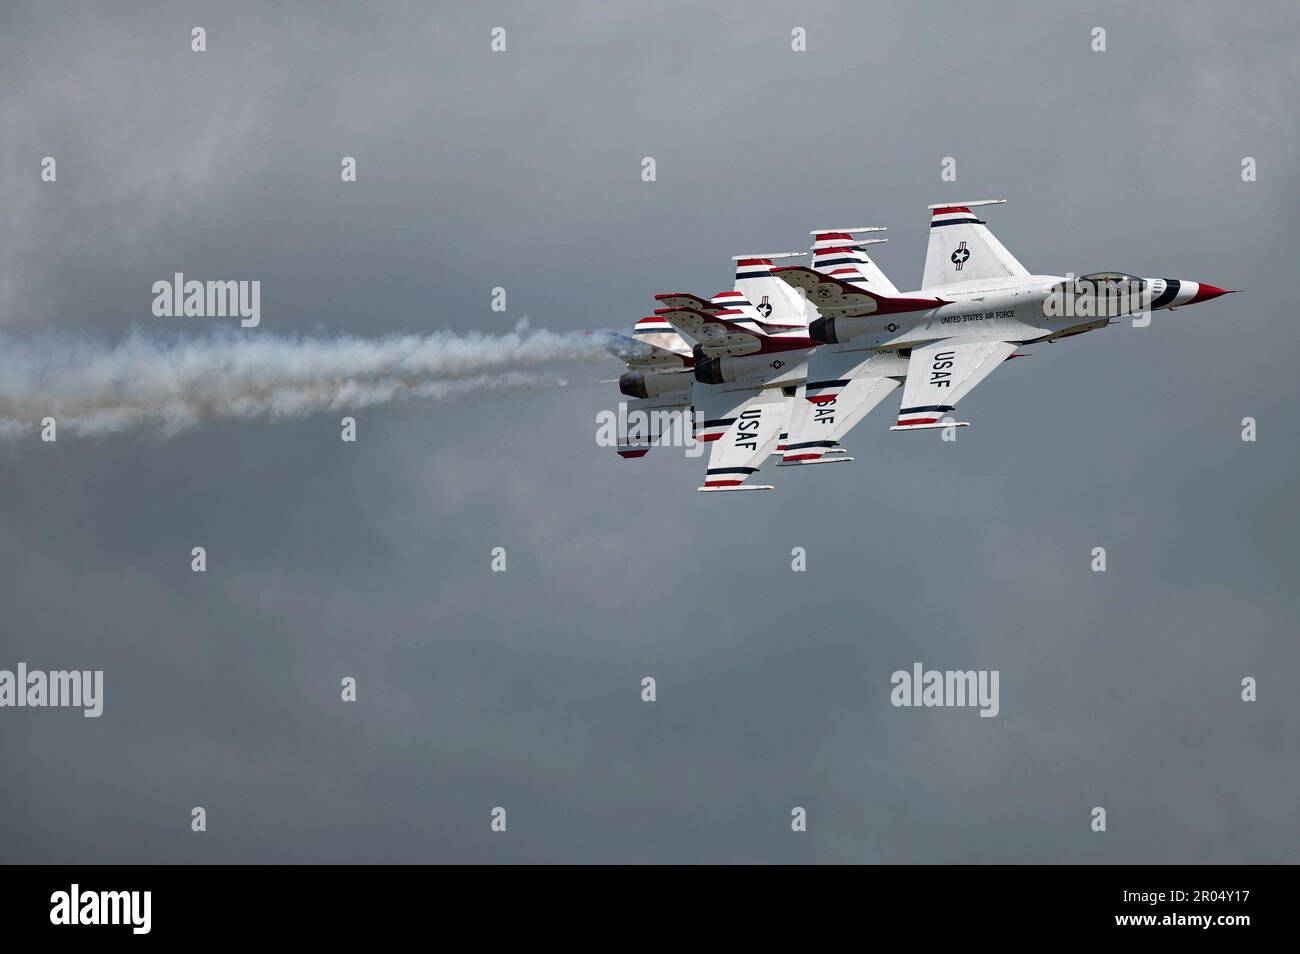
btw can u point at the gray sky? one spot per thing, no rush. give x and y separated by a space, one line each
521 689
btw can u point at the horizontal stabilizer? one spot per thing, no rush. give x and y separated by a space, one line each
831 295
685 300
718 336
725 490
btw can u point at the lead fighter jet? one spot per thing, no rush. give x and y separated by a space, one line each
980 303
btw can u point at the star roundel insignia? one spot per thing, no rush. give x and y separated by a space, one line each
960 255
765 309
778 364
891 327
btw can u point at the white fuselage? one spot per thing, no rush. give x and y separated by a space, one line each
1010 309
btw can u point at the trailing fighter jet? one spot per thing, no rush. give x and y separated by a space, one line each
976 304
749 366
658 380
817 424
752 345
751 363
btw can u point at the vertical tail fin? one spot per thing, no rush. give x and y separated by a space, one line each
738 309
962 249
776 301
836 253
658 333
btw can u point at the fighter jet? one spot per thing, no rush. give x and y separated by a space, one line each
750 364
658 380
976 305
816 425
750 356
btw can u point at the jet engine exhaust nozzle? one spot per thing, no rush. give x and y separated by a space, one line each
632 383
709 371
822 331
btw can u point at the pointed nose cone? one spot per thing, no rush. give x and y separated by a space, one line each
1206 292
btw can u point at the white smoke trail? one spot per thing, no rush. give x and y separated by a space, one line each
170 384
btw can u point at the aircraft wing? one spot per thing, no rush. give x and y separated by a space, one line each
645 422
843 388
941 374
741 428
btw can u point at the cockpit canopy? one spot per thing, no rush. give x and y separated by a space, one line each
1098 294
1113 278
